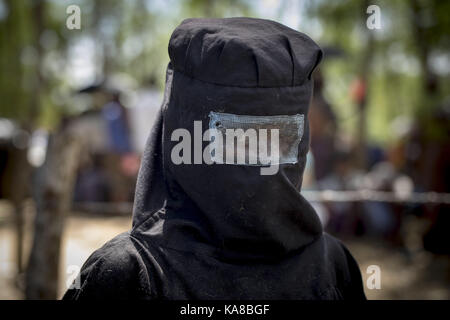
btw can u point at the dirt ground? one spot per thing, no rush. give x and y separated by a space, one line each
404 274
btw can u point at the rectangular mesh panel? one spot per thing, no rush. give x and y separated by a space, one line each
256 140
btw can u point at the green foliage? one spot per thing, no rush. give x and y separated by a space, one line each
130 37
398 70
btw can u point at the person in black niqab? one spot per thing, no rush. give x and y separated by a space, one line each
224 231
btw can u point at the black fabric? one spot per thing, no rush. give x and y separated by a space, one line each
259 53
225 231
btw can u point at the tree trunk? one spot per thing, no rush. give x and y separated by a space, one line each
53 191
364 73
15 186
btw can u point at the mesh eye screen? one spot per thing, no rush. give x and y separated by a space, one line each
255 140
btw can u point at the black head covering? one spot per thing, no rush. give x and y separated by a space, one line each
238 66
226 231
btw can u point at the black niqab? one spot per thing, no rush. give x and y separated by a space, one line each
225 231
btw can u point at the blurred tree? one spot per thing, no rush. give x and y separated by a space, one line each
55 181
412 33
38 59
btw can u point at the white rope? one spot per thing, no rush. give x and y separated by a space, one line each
378 196
125 208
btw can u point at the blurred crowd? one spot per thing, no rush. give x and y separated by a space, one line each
411 164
